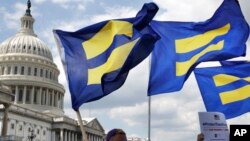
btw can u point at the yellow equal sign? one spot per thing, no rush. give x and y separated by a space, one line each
101 41
233 95
195 42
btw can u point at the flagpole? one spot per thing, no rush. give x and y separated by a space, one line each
149 104
149 118
81 124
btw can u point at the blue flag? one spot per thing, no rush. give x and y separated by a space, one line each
225 89
183 45
97 58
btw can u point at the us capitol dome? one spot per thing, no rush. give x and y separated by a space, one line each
26 65
30 76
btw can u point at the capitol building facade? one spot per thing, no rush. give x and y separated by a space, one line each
36 111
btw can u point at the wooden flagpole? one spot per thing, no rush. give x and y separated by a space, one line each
149 105
149 118
81 125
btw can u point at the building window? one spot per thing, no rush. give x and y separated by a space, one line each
43 97
9 69
35 95
44 132
22 70
38 131
27 96
12 126
35 72
50 96
50 75
41 73
20 128
3 70
55 100
46 74
20 95
13 92
15 71
29 71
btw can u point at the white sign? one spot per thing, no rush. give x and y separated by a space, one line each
214 126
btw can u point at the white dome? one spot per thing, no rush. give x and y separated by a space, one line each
27 67
25 41
25 44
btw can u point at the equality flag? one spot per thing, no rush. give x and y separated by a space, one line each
225 89
183 45
97 58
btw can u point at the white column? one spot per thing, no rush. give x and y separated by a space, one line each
53 136
12 70
16 94
61 135
5 120
69 136
24 94
73 136
32 95
5 70
76 137
19 69
66 135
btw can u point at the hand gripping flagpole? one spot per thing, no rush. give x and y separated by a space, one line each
81 125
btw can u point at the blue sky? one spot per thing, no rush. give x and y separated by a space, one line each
174 115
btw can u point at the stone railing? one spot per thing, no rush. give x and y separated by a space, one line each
31 113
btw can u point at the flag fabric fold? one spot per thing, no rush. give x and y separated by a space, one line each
183 45
97 58
225 89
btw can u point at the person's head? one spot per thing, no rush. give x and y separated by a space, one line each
116 135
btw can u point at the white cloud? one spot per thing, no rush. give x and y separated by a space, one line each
81 7
245 9
66 4
187 10
130 114
12 20
39 1
115 12
2 9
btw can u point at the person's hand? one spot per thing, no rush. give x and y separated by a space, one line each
200 137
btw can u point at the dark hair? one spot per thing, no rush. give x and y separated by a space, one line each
113 132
